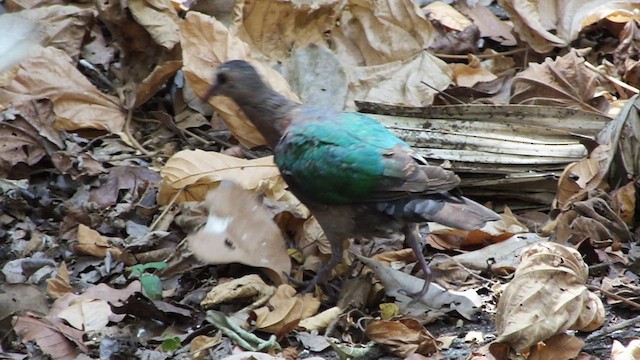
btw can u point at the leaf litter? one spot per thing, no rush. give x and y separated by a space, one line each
131 210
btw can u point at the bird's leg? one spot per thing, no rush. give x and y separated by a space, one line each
325 270
412 236
337 248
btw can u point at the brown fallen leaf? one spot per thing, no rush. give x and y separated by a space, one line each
27 135
196 172
629 352
402 337
60 342
545 27
624 202
558 347
87 314
159 18
241 230
249 286
284 307
133 179
90 242
60 285
49 73
546 297
320 321
565 82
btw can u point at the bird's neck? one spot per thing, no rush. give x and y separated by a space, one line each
270 113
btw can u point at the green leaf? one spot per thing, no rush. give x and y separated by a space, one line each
152 286
138 270
171 344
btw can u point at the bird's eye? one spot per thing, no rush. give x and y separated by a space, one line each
222 78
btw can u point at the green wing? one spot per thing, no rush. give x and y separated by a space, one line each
341 158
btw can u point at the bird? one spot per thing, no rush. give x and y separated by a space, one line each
356 177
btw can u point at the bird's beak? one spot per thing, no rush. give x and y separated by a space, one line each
213 91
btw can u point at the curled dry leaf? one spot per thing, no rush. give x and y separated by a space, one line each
400 82
275 28
28 134
196 172
285 307
49 73
563 82
59 285
402 337
546 297
548 24
90 242
159 18
321 320
87 314
241 230
630 352
377 32
58 341
206 43
558 347
503 257
250 286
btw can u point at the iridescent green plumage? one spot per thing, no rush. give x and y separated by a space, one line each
338 158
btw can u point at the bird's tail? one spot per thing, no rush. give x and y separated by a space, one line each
453 211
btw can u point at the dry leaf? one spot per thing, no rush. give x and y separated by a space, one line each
196 172
16 297
276 28
555 23
447 15
53 340
241 230
59 285
563 82
61 26
250 286
630 352
27 134
546 297
400 82
50 74
624 202
469 76
558 347
90 242
283 308
159 18
402 337
321 320
87 314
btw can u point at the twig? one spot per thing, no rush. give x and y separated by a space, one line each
127 128
87 65
166 209
615 296
613 328
612 79
481 56
449 96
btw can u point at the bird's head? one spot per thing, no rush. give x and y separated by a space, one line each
236 79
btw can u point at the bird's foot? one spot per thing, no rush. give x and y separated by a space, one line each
417 296
412 234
